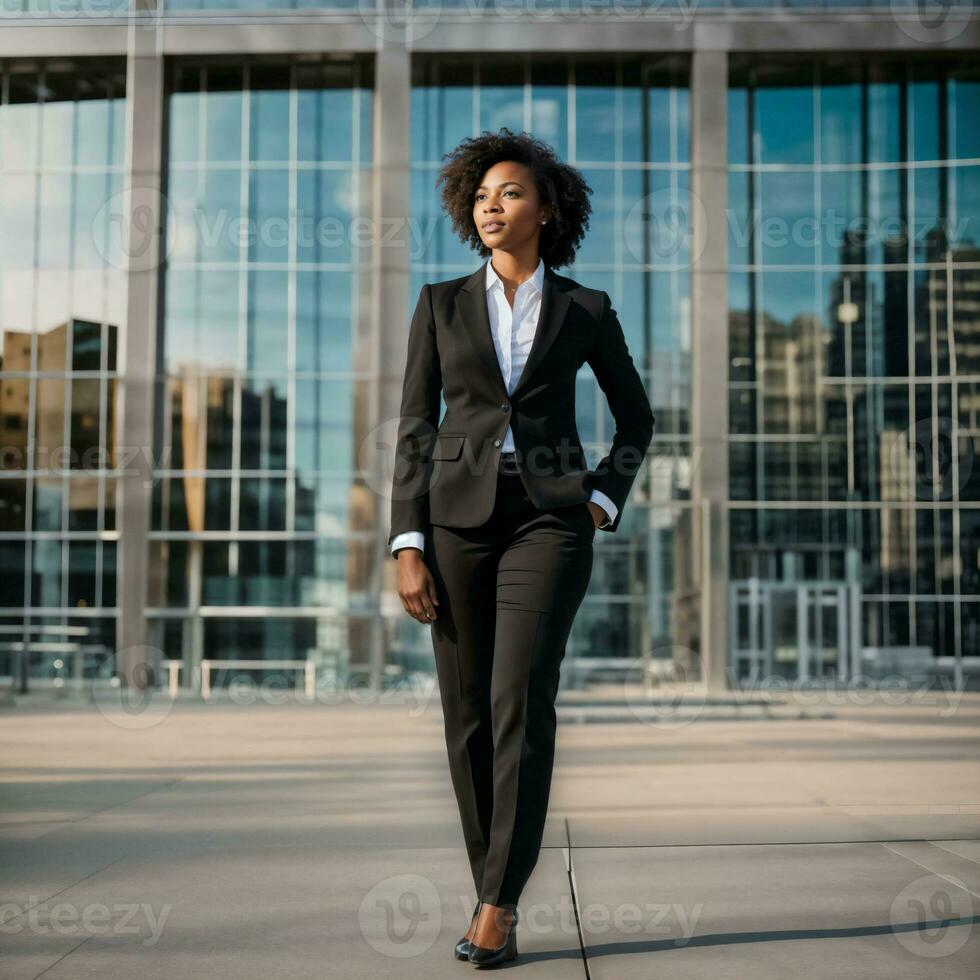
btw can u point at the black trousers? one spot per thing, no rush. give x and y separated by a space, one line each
508 593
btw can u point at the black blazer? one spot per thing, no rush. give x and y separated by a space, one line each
446 472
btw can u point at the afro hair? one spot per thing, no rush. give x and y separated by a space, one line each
561 187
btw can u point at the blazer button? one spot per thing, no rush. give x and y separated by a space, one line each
496 442
505 406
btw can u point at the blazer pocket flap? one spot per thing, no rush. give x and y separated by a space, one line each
448 445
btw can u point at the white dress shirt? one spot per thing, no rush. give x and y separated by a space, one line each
513 332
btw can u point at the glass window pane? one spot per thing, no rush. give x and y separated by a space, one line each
83 504
20 122
324 216
223 112
268 212
13 504
788 228
963 222
218 217
442 102
269 106
325 109
964 110
264 416
81 573
502 95
85 403
549 105
323 425
46 574
184 125
323 321
48 500
58 119
596 115
263 504
12 581
268 321
884 120
839 95
201 326
784 115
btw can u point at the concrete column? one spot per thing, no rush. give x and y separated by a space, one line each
391 268
142 221
709 397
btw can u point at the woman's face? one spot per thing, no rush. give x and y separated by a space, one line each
507 209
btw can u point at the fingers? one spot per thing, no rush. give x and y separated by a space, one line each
413 606
429 598
421 601
416 611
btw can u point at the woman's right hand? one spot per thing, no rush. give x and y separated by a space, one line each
416 586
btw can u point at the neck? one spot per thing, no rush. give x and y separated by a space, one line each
514 268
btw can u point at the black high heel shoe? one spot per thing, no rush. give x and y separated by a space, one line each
462 949
491 955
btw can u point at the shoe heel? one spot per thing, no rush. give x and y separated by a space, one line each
511 953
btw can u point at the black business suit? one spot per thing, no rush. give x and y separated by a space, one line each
510 555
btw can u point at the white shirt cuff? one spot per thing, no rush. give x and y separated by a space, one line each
607 505
408 539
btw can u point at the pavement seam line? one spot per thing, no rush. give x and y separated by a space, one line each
61 959
61 824
777 843
573 888
962 857
949 879
48 898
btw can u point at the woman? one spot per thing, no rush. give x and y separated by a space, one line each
494 510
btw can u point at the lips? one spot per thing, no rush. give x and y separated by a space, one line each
492 226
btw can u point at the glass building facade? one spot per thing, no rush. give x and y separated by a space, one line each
257 537
62 308
854 335
814 514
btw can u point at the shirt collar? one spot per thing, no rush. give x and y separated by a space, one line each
536 280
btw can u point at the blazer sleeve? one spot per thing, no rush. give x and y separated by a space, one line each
418 423
623 387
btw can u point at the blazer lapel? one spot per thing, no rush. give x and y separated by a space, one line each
554 306
471 306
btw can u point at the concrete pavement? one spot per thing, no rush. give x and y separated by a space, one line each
322 840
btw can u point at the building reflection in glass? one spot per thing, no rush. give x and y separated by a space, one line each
854 331
62 305
262 527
